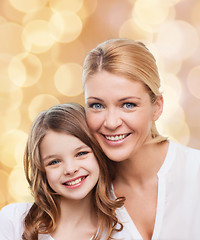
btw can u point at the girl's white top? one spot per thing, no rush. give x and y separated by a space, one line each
12 218
178 204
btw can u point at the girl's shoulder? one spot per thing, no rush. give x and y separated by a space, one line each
15 209
11 220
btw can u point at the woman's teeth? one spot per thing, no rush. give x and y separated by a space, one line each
117 137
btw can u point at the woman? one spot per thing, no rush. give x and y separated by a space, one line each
69 181
159 178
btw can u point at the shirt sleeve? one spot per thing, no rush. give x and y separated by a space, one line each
11 220
6 224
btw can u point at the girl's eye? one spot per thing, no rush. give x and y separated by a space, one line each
129 105
81 153
54 162
96 106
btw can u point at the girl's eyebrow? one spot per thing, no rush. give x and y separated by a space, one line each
49 157
56 155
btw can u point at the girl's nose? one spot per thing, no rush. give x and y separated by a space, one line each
70 167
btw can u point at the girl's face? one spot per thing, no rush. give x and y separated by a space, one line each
120 114
71 168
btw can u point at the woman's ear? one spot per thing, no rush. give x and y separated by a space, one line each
158 107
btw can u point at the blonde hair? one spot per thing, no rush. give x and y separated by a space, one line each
129 59
44 213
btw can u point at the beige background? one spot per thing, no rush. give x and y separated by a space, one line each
42 47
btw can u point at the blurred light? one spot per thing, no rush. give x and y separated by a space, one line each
43 14
10 101
149 12
10 32
8 143
18 186
3 187
27 6
37 37
20 148
65 26
177 40
59 5
63 53
25 70
5 82
68 79
193 81
41 103
172 121
10 120
170 2
87 8
171 87
2 20
130 29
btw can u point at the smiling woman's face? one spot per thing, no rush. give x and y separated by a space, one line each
119 113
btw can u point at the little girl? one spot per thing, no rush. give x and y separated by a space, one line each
68 177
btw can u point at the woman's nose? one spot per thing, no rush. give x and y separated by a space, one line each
112 120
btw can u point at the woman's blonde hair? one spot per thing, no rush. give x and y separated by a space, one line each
44 213
129 59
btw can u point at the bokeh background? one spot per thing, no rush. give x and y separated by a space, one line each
42 48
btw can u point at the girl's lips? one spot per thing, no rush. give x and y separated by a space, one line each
76 182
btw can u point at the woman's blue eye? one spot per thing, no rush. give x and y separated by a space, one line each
129 105
96 105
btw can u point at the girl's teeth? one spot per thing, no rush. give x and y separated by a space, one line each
116 138
75 181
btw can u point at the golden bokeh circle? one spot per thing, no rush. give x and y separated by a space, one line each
36 36
59 5
193 81
27 6
40 103
68 79
25 70
65 26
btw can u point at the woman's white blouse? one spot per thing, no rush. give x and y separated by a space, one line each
178 204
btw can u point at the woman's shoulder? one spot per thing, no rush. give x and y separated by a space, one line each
185 151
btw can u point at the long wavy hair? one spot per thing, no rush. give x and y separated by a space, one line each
129 59
43 215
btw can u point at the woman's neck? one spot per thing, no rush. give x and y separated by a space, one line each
143 166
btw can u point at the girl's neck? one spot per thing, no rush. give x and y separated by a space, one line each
78 210
144 165
78 219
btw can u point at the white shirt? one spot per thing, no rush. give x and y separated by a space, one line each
178 204
12 218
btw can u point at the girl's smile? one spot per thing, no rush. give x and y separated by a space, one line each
71 168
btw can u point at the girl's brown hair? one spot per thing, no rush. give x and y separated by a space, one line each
45 211
129 59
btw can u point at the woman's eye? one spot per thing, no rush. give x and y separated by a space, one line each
129 105
54 162
96 105
81 153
